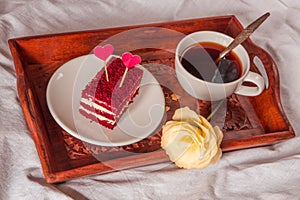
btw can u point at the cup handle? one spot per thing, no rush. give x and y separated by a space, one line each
251 91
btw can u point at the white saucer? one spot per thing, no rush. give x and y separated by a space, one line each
142 118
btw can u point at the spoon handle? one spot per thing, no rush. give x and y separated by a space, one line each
243 35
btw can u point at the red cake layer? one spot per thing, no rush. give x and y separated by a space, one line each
93 118
103 113
99 112
108 94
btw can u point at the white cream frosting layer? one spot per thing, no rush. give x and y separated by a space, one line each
90 103
100 117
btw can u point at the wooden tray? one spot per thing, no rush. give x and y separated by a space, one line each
250 121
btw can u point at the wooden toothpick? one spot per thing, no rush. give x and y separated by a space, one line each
123 77
105 68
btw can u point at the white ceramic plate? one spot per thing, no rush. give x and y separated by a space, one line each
141 119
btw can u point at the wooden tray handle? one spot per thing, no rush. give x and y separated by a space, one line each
25 96
271 96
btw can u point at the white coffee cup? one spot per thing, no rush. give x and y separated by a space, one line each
210 91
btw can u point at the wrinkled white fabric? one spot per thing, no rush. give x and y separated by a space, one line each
271 172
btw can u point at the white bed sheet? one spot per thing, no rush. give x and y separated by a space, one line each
271 172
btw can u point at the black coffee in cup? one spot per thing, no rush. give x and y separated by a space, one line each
199 60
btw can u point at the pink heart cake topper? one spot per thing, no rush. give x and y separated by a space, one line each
130 60
103 52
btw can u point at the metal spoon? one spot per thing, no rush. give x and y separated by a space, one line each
243 35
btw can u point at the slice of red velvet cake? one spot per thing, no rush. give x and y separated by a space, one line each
104 101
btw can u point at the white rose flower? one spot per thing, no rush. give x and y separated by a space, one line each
190 141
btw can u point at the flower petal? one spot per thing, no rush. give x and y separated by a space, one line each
186 114
190 141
